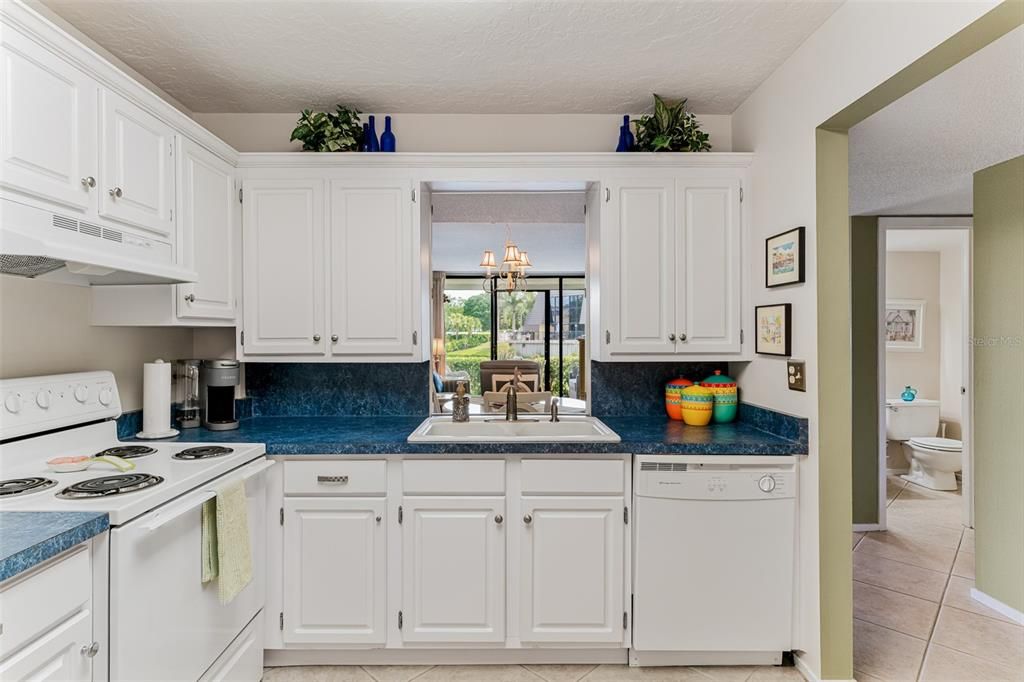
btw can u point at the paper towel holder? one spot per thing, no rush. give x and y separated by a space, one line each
217 382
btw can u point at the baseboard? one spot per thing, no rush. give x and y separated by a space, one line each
804 669
996 605
409 656
866 527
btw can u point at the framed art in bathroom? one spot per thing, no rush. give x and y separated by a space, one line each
784 258
773 324
904 325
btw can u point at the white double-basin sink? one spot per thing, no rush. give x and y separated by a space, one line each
494 429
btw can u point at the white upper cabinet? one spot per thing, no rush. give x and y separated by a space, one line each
206 228
638 238
671 266
283 274
47 125
708 259
137 169
571 569
335 570
371 269
453 569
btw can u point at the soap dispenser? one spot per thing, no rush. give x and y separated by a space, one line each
460 404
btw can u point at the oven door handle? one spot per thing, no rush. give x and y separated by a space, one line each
173 512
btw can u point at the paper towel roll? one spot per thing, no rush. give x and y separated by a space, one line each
156 400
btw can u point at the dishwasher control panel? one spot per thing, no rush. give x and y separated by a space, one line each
714 482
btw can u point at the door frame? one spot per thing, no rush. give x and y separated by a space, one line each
965 226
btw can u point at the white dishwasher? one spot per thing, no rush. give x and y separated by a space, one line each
714 560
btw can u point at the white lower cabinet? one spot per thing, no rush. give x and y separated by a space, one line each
453 569
57 655
335 570
571 567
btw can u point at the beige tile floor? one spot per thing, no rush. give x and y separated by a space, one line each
527 673
914 618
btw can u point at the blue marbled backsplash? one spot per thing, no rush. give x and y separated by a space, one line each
637 389
776 423
338 389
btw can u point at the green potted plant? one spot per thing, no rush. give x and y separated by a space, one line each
670 129
321 131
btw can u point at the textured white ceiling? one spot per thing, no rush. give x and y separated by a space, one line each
918 155
448 56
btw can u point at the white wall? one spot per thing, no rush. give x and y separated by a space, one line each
458 132
855 50
952 336
44 329
915 275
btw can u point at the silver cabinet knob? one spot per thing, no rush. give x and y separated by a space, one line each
498 519
334 338
672 337
682 337
528 519
316 338
115 192
90 650
88 181
378 519
191 298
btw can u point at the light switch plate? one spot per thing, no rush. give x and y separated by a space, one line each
796 375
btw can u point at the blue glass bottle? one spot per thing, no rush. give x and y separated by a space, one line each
623 145
630 139
364 144
387 138
373 143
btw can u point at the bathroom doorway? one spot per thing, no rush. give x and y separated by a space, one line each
924 358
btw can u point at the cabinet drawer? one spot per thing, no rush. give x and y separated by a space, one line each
320 477
453 477
44 599
569 476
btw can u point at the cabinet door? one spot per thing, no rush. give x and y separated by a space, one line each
283 267
637 245
335 570
708 258
136 180
47 124
371 269
206 210
453 569
56 655
571 569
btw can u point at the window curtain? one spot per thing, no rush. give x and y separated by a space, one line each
437 317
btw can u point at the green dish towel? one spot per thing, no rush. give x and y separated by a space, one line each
226 551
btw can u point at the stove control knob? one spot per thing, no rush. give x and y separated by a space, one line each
81 393
12 403
43 400
106 395
766 483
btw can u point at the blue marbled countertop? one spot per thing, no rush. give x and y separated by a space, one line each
387 435
30 538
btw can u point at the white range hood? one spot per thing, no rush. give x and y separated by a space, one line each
59 247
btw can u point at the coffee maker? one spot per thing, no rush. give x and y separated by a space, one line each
217 382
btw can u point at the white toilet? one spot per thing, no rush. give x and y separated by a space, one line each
933 461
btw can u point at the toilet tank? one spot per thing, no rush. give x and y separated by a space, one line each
906 420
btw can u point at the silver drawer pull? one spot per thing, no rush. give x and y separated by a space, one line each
332 479
90 650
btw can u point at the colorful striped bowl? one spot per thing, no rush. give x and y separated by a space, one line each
674 397
698 405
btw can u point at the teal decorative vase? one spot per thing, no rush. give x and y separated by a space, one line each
726 398
909 393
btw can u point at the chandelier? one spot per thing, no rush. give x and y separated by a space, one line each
511 274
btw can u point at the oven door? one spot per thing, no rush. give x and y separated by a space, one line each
164 623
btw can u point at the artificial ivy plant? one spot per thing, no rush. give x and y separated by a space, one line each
670 129
321 131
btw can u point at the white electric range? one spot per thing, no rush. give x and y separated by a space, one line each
164 624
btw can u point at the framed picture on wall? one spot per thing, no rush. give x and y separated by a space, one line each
904 325
784 258
773 324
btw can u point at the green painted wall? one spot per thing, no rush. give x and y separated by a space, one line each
864 316
834 404
998 299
